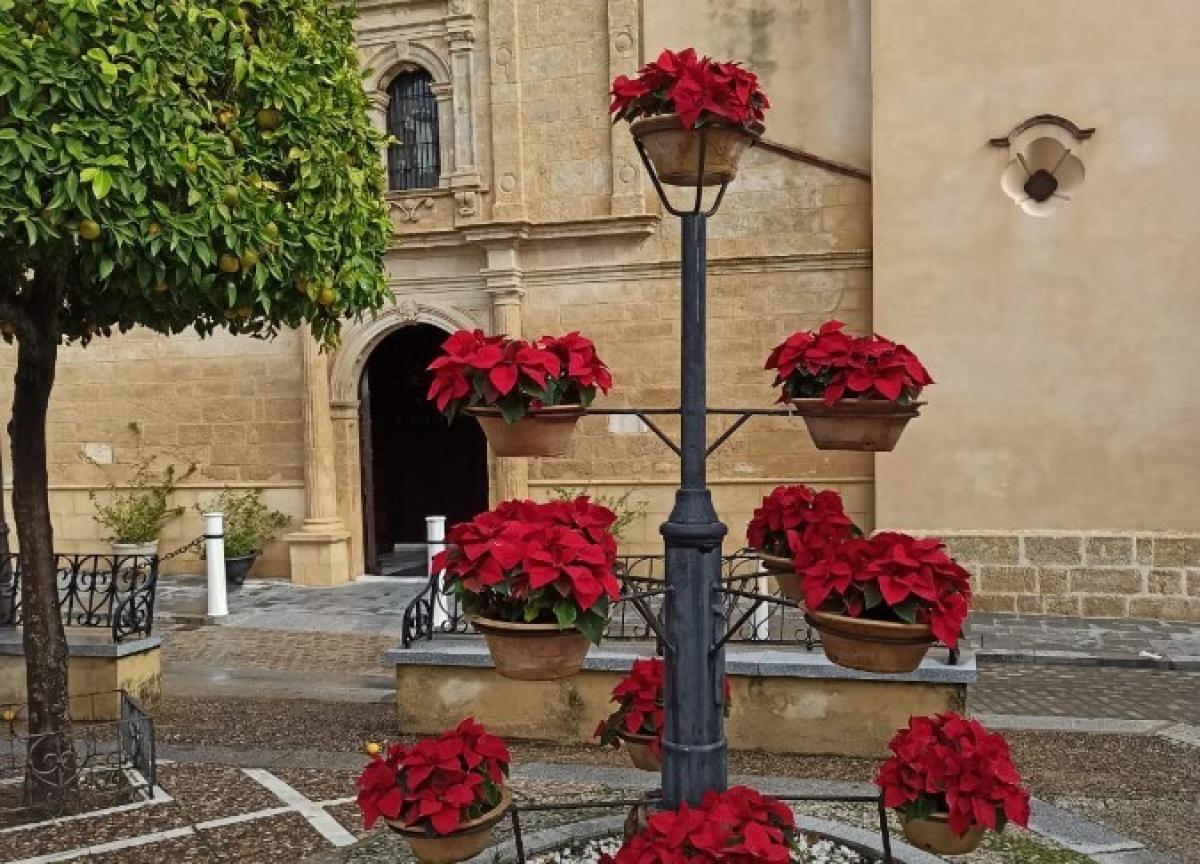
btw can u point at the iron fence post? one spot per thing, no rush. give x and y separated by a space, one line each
694 748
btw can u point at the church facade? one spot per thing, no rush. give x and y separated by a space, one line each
893 190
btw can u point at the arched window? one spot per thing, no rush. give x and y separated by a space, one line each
413 158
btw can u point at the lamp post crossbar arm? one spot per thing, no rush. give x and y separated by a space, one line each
639 603
742 415
662 436
737 625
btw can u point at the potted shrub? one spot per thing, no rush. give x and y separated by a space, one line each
536 579
879 603
737 826
135 516
950 779
793 528
527 396
443 795
638 720
854 392
248 524
682 99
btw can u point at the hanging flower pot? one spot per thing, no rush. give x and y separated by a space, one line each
793 527
533 652
871 646
868 598
466 841
541 432
933 834
950 780
643 752
676 152
868 425
854 393
682 104
536 579
527 396
444 795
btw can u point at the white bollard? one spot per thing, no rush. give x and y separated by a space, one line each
214 558
435 542
761 617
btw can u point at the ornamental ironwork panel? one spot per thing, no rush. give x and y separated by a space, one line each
414 160
115 592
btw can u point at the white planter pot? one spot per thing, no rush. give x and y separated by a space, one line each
122 550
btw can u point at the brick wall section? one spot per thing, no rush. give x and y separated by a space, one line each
1088 574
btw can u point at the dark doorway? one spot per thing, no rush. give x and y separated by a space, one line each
415 464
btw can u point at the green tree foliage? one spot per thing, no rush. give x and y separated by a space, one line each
204 164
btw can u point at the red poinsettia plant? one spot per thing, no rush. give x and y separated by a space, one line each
639 698
800 523
831 364
699 89
950 765
738 826
515 376
536 562
892 577
437 783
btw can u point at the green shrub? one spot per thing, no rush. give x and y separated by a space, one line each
248 521
137 515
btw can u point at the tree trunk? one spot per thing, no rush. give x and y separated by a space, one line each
51 751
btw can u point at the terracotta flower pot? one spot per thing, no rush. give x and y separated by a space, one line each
533 652
871 425
871 646
933 834
467 841
640 752
675 152
541 432
785 575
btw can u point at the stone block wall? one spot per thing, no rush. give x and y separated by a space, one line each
1090 574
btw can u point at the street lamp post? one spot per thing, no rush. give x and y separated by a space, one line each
694 750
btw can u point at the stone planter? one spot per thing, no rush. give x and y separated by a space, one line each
675 152
933 834
541 432
144 550
640 751
871 646
868 425
471 838
783 571
236 569
533 652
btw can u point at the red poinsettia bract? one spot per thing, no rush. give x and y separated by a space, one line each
530 561
698 89
891 576
948 764
830 364
800 523
437 783
639 698
514 375
738 826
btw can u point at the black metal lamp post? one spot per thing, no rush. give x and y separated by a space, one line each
694 753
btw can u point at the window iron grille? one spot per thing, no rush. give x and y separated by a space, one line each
414 160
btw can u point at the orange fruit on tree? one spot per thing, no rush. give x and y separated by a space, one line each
268 119
230 196
249 259
229 263
88 229
327 296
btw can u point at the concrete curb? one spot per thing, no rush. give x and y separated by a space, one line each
989 657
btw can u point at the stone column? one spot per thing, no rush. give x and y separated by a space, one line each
320 550
510 477
443 92
507 157
628 196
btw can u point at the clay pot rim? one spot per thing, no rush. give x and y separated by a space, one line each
664 122
815 407
645 739
471 826
520 628
549 412
776 561
869 629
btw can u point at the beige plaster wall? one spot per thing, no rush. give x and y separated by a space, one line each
1063 347
813 56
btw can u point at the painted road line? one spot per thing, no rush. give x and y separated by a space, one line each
326 825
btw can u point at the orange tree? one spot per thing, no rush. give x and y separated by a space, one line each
176 165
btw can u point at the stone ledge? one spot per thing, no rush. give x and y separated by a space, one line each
757 662
86 644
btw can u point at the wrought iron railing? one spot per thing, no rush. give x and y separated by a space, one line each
93 765
433 613
102 591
